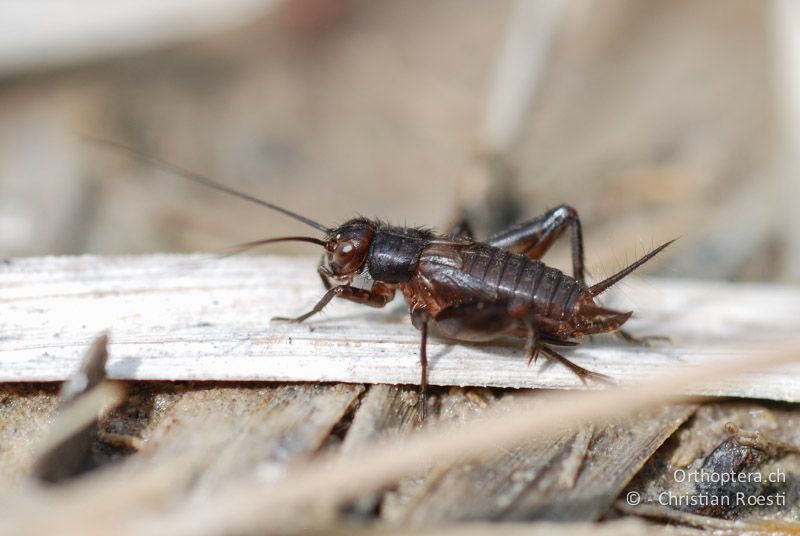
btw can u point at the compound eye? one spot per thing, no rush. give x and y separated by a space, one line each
344 253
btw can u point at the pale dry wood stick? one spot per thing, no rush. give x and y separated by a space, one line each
183 317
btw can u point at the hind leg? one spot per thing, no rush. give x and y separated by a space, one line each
582 373
535 236
324 274
647 340
612 322
534 345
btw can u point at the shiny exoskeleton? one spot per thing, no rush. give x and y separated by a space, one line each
468 290
475 291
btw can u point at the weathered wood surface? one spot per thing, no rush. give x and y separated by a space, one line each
572 477
176 317
212 436
152 494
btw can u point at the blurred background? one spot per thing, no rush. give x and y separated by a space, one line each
653 119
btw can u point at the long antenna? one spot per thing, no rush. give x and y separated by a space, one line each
205 181
241 248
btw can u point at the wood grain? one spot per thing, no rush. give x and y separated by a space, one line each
174 317
574 476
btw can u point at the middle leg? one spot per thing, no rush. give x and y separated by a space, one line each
532 343
421 320
423 362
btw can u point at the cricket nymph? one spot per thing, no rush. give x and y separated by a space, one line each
475 291
469 290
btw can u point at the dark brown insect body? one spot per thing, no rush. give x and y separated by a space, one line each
475 291
468 290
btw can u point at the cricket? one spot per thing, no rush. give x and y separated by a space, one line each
466 289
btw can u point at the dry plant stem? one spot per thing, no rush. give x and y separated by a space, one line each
785 25
663 513
522 61
631 526
121 440
331 481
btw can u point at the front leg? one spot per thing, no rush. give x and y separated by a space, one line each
378 296
324 274
535 236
